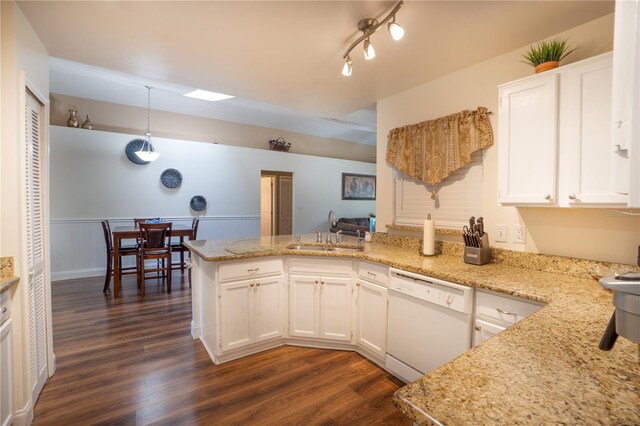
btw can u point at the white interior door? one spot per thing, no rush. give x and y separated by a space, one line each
266 206
35 244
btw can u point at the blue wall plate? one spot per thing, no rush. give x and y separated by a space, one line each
132 147
198 203
171 178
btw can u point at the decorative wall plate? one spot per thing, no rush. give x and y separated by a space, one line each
171 178
132 147
198 203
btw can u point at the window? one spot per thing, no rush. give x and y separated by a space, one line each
459 197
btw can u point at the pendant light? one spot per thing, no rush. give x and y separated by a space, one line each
147 153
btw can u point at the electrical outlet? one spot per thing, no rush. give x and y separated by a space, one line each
519 234
501 233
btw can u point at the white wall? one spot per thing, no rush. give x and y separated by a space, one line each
23 55
91 179
589 233
117 118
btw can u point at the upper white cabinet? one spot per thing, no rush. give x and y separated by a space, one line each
528 140
555 138
625 119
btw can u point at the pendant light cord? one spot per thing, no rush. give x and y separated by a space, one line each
148 108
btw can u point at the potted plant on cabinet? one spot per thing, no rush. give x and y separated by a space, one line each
547 55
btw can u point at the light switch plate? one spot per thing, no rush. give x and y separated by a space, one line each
519 234
501 233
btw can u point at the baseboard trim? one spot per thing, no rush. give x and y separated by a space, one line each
23 417
77 273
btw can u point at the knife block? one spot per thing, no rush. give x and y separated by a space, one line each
478 255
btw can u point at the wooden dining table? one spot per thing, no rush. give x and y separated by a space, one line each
132 232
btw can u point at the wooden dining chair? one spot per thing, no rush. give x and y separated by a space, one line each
123 251
155 244
179 248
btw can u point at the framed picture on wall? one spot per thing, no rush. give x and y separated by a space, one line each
358 187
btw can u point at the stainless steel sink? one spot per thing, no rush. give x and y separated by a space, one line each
335 249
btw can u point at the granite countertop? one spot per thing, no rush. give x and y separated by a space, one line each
7 282
545 369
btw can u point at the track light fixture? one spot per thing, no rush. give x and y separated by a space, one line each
369 26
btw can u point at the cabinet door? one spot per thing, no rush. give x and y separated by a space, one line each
335 309
236 314
304 313
528 141
6 373
483 331
267 309
585 135
372 317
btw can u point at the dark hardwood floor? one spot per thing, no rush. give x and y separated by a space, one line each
133 361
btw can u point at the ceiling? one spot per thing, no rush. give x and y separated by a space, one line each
282 59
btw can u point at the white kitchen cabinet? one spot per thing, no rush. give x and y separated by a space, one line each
320 307
371 328
528 140
484 330
304 306
585 135
6 373
625 111
495 313
554 138
250 312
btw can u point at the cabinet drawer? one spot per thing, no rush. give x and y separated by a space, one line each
326 267
250 269
504 309
5 306
373 273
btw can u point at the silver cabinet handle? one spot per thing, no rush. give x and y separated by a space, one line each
547 197
253 270
4 309
477 328
506 312
572 196
372 274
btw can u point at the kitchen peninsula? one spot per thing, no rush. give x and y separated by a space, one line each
546 368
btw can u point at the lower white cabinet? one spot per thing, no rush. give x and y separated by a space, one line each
320 307
495 313
483 331
6 373
371 331
250 312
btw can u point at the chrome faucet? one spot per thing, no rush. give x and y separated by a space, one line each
339 236
332 220
318 236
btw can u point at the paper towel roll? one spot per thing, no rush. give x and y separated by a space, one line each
429 238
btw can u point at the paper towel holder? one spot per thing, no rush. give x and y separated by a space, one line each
424 238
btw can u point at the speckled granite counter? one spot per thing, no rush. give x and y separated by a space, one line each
545 369
7 279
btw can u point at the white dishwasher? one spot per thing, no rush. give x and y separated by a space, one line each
429 323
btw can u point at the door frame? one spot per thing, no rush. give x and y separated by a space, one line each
276 198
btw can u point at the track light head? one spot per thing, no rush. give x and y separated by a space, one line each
396 31
369 51
348 67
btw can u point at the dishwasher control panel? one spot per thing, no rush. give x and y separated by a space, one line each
433 290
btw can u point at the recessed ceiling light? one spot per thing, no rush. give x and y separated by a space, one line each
207 95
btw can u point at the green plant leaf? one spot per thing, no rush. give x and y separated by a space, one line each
545 51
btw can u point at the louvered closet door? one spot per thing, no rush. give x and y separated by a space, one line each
35 243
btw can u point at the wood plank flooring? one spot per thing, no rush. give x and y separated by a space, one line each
133 362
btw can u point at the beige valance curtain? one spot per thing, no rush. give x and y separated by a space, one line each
433 150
